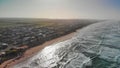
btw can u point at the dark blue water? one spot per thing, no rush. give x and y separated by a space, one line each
95 46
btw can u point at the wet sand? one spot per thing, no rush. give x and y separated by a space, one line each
32 51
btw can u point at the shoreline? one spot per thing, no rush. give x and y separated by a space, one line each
32 51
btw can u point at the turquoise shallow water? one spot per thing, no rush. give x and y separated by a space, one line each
95 46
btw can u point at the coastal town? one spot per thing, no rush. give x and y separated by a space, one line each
15 40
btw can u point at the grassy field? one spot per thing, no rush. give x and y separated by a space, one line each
7 24
40 22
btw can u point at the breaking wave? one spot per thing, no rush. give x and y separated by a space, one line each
95 46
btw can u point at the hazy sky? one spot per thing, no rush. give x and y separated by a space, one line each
95 9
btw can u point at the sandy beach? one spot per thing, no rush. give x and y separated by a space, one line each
30 52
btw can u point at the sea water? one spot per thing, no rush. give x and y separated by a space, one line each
94 46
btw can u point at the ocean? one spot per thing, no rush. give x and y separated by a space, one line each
94 46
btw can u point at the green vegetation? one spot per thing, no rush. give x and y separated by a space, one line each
2 24
9 54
